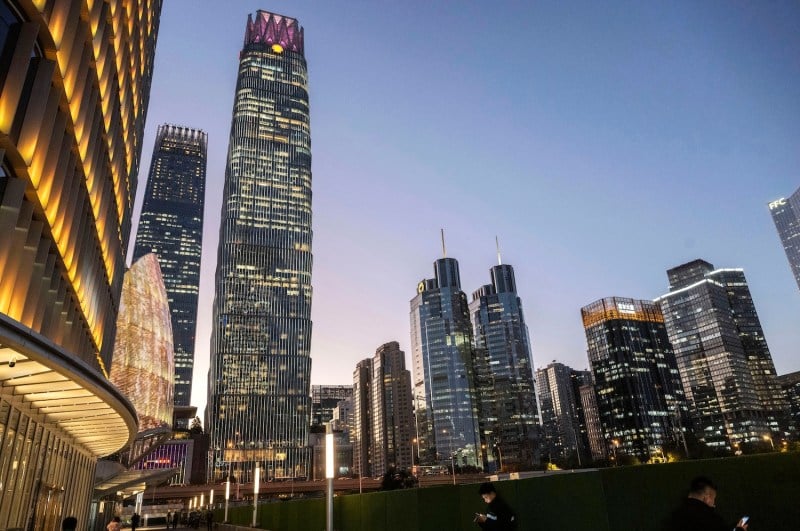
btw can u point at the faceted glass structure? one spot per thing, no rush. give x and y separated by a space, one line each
171 226
444 374
786 215
726 368
509 416
258 403
636 381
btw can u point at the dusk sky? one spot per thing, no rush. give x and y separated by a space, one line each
602 143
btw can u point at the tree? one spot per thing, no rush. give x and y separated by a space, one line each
196 427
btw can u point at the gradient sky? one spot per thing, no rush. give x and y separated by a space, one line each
602 143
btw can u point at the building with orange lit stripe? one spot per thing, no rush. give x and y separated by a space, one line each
640 401
74 86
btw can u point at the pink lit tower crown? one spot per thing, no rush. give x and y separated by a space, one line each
271 29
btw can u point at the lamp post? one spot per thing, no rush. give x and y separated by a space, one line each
769 438
500 455
227 494
211 499
329 470
256 485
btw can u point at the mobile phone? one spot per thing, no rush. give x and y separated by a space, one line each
745 519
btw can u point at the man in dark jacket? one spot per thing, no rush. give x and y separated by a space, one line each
499 516
697 513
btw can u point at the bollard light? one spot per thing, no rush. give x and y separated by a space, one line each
211 498
329 467
227 496
256 483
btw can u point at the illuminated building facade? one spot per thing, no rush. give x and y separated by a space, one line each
726 368
324 399
74 89
637 386
259 405
509 415
143 366
790 383
171 226
786 215
360 429
591 416
563 427
444 373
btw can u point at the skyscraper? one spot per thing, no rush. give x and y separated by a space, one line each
74 90
392 417
637 386
508 413
564 432
786 215
441 341
361 428
725 365
171 226
259 405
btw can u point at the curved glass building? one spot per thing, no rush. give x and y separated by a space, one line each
258 404
74 90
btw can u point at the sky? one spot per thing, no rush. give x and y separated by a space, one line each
601 143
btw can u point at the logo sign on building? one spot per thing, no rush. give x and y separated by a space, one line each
777 203
624 307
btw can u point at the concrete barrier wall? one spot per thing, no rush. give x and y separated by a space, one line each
638 498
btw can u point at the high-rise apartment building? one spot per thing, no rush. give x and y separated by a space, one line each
790 383
74 90
637 385
786 215
591 415
171 226
324 399
508 413
563 428
259 405
444 374
726 368
392 416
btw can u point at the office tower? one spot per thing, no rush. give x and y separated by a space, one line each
790 383
143 366
724 361
74 88
259 403
509 416
564 432
361 428
591 415
343 415
171 226
444 376
636 380
324 399
786 215
392 416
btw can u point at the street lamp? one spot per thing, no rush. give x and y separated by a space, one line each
500 455
329 470
227 492
256 485
769 438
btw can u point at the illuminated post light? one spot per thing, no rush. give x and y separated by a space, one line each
202 500
329 466
211 498
227 495
256 484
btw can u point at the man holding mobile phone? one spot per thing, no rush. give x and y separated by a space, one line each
499 516
697 512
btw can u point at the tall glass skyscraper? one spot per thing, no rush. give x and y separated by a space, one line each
564 432
726 368
509 416
259 404
171 226
637 384
786 215
444 375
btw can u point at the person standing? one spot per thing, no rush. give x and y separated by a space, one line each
70 523
498 516
697 512
175 519
169 519
114 524
210 520
135 521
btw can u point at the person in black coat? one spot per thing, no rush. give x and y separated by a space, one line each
498 516
697 512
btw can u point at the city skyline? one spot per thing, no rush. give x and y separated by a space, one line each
586 136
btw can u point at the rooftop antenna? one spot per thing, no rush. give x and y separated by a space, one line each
497 244
444 249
